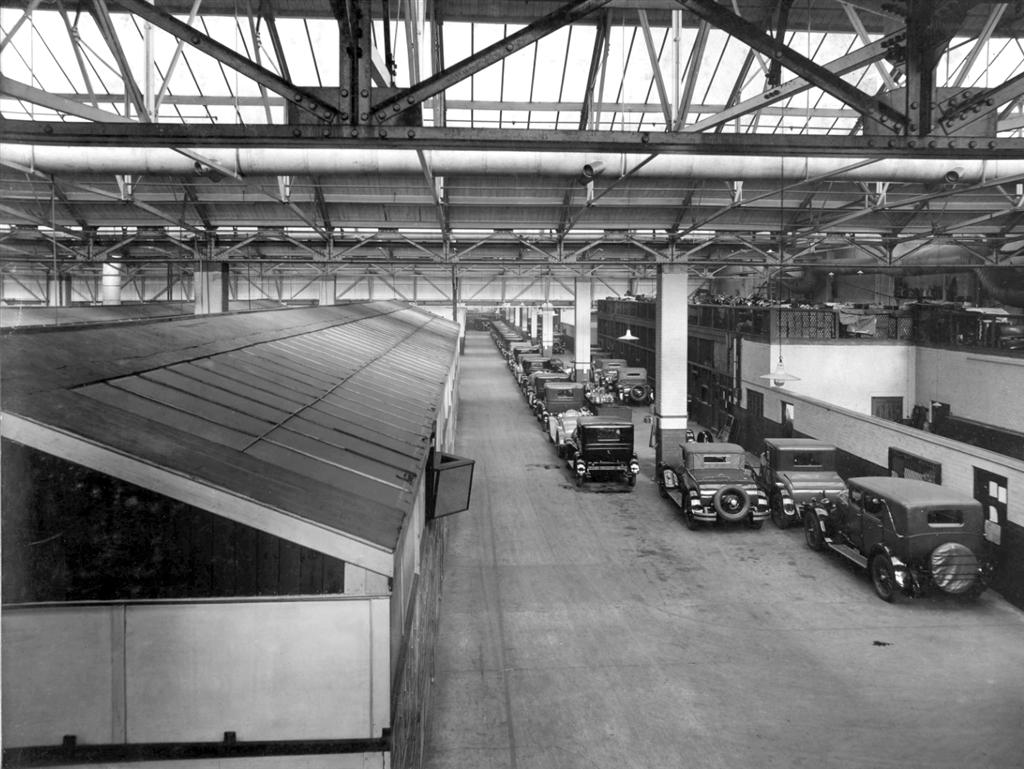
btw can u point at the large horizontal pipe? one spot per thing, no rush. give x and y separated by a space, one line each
285 162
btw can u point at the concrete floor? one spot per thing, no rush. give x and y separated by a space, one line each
589 628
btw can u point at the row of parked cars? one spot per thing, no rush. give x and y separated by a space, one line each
912 536
595 441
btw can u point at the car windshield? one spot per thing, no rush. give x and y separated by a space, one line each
718 461
609 434
808 460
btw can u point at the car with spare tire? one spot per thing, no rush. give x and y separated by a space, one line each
913 537
713 482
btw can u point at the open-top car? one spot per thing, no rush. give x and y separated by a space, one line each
711 482
912 536
794 471
602 447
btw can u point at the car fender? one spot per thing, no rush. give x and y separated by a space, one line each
902 573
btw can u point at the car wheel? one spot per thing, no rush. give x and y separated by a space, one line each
579 480
631 479
638 393
883 577
732 503
775 505
812 531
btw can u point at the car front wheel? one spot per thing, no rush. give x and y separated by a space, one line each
778 514
883 577
812 531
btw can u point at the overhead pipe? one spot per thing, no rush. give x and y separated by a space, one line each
310 161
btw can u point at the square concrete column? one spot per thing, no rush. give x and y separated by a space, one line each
547 330
111 284
584 289
531 313
460 318
671 360
210 285
327 290
58 290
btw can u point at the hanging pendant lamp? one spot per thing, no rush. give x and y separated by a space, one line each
628 336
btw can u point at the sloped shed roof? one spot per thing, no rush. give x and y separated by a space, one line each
313 423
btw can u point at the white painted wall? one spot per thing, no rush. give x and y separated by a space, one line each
977 386
847 375
871 438
189 671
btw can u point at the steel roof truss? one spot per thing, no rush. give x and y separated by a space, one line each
814 73
652 54
440 81
302 98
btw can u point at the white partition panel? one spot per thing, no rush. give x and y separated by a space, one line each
189 672
61 675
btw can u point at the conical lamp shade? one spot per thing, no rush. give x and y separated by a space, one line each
628 336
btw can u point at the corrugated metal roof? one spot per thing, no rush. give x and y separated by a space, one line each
322 413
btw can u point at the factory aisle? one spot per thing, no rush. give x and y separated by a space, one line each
589 629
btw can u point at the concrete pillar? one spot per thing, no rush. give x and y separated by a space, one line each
327 290
584 289
111 284
58 290
671 359
210 286
532 322
547 328
519 317
460 317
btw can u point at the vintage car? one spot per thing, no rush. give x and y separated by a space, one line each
794 471
527 365
560 397
631 385
602 447
605 371
520 347
535 388
713 482
912 536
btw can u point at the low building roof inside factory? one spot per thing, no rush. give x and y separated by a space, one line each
313 424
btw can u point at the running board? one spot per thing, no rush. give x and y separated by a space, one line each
848 552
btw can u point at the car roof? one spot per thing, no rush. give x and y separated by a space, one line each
694 447
797 443
911 492
598 420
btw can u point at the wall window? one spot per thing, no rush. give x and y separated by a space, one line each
904 465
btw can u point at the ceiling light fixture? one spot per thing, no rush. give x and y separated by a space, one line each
628 336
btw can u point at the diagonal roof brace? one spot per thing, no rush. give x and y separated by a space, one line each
443 80
302 98
814 73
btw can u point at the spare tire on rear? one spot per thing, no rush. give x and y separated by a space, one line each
732 503
954 568
638 393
